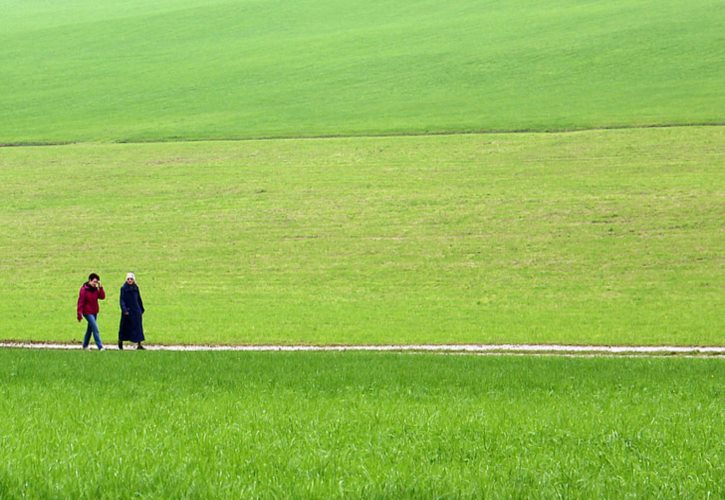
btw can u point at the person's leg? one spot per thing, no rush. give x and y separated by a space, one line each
89 330
93 324
121 329
139 330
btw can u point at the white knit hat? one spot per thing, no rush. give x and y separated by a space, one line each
131 275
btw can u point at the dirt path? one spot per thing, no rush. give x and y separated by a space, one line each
447 348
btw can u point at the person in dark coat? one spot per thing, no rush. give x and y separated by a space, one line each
132 310
90 293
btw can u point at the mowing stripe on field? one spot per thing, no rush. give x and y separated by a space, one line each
466 348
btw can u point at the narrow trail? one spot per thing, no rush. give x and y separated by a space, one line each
569 350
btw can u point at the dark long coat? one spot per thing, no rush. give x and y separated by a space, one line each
132 310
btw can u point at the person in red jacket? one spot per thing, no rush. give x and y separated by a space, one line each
88 297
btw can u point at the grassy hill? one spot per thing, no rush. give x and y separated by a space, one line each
84 70
586 237
592 237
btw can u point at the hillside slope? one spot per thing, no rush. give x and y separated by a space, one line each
596 237
192 69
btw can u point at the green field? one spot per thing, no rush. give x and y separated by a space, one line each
346 172
95 70
590 238
599 237
234 425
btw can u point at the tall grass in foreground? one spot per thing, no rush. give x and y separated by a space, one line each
121 425
602 237
89 70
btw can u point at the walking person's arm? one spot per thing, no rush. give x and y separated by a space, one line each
122 301
81 301
101 292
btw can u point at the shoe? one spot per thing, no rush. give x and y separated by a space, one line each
101 348
140 348
86 348
120 345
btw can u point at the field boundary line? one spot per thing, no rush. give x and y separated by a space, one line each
442 133
443 348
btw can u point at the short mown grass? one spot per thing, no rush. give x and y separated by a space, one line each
230 425
101 70
599 237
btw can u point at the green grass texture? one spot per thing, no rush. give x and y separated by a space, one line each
594 237
83 70
362 425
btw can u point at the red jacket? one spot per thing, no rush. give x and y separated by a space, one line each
88 299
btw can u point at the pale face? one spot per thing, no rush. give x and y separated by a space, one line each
130 281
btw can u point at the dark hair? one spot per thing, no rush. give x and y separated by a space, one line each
93 276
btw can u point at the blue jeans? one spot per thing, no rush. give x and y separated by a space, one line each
92 328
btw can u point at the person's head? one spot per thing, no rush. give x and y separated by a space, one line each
93 278
130 278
